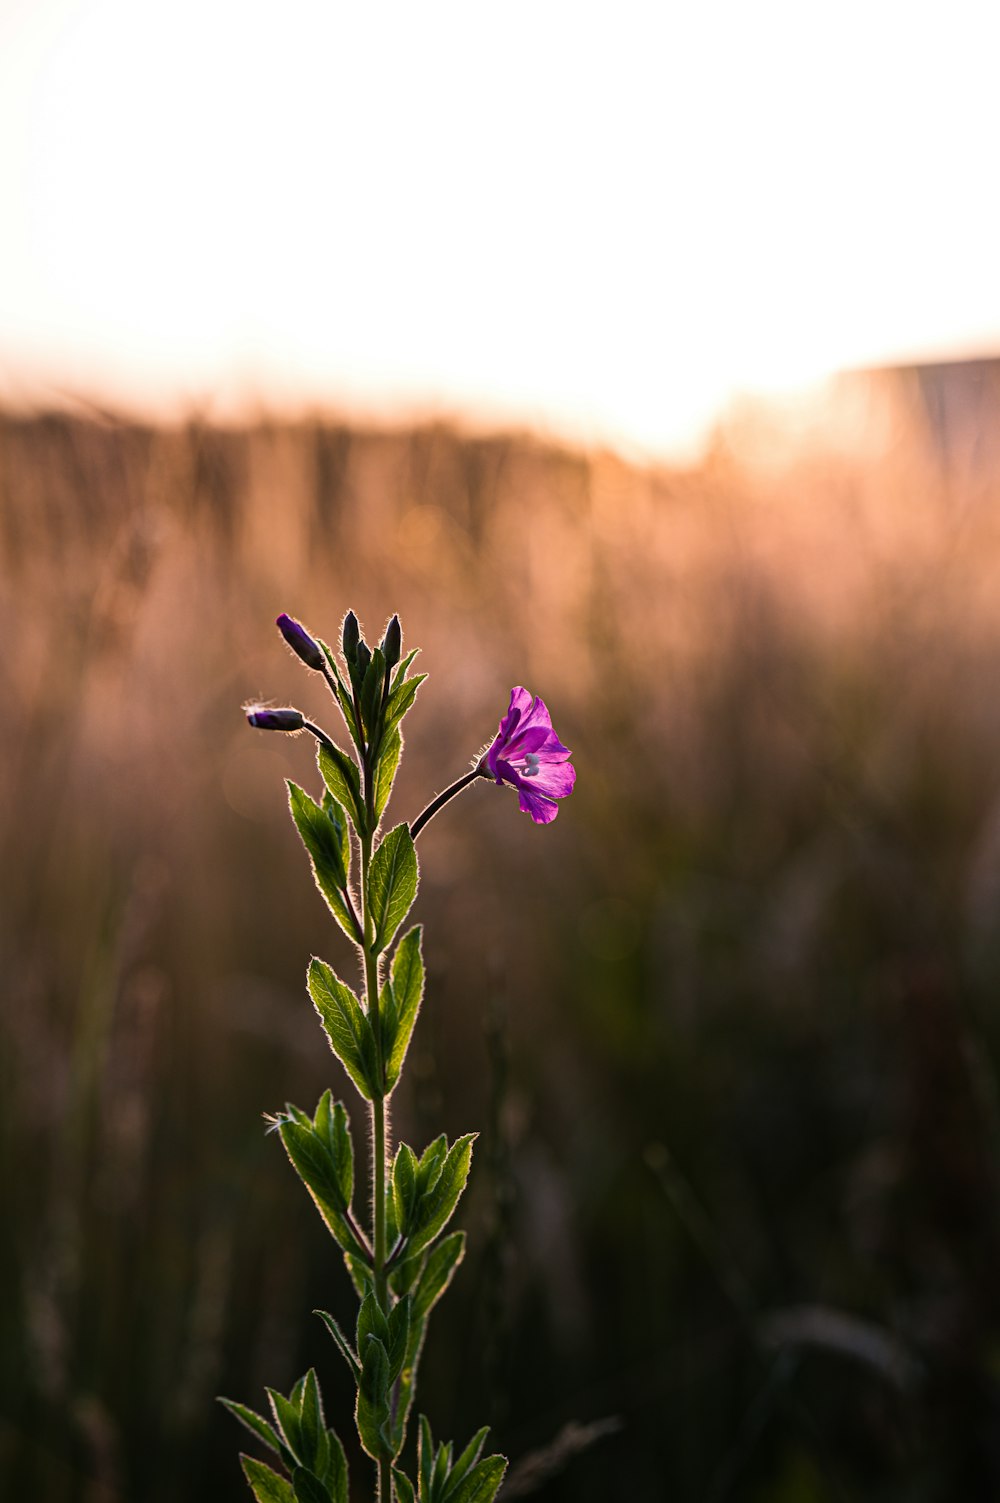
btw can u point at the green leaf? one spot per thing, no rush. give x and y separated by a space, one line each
392 884
335 1477
318 1171
407 992
401 700
404 1487
286 1414
333 1129
266 1486
404 1186
308 1488
346 1350
346 1026
371 1322
431 1162
399 1336
370 697
442 1466
425 1457
324 835
315 1443
438 1204
372 1409
258 1426
385 771
400 673
482 1484
341 776
468 1459
438 1273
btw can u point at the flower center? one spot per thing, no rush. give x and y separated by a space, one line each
532 769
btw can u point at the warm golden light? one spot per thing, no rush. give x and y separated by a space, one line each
608 226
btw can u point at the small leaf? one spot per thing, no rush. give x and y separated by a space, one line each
442 1466
286 1413
332 1127
371 1322
315 1444
431 1162
347 1351
468 1459
399 1335
404 1186
425 1457
340 774
407 992
372 1410
346 1026
482 1484
258 1426
317 1170
437 1206
392 884
324 835
308 1488
266 1486
385 771
370 697
404 1487
400 673
335 1477
438 1273
401 699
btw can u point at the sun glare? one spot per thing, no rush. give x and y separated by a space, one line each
606 226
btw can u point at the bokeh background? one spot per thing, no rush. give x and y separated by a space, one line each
729 1027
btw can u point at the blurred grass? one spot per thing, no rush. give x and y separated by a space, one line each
729 1026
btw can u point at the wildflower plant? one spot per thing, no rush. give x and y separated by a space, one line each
402 1261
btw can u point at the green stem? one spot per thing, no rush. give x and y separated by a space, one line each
378 1111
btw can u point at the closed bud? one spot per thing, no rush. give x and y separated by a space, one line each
362 658
275 720
301 643
392 642
351 637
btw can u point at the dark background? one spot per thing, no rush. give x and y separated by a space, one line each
728 1028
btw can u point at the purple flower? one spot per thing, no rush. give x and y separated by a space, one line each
274 720
527 754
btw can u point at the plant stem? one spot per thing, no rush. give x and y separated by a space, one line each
379 1146
442 798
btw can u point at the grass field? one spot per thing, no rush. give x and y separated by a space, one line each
729 1027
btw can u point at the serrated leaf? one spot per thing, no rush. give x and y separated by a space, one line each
257 1426
372 1410
385 772
266 1486
333 1129
318 1172
392 884
370 696
308 1487
324 835
438 1272
286 1415
341 776
335 1476
315 1451
346 1026
407 991
343 1345
404 1186
465 1462
404 1487
401 700
482 1484
437 1206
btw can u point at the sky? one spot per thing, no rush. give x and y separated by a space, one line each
604 219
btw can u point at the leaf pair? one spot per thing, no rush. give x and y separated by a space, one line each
349 1028
299 1435
439 1480
426 1191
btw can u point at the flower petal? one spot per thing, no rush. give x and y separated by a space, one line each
542 810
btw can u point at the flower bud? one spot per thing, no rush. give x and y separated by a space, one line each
275 720
362 658
301 643
392 642
351 637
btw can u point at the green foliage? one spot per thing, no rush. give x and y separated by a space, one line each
401 698
440 1480
346 1026
340 774
325 836
400 1003
310 1451
440 1182
266 1486
392 884
370 697
323 1156
385 770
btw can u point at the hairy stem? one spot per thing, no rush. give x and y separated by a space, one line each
438 803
